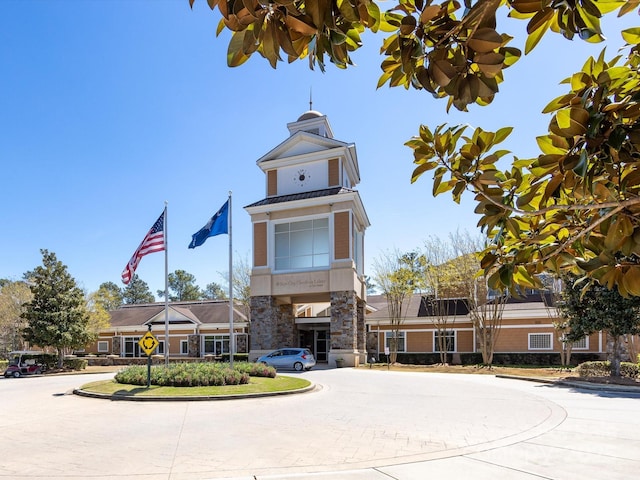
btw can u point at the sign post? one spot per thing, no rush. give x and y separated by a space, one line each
148 343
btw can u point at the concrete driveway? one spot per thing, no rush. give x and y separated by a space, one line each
358 424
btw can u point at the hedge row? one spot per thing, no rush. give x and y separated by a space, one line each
537 359
194 374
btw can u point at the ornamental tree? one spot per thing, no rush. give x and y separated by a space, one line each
57 315
599 308
396 277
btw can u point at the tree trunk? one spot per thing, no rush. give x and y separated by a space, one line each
60 358
393 351
615 357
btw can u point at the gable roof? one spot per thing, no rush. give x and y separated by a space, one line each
300 143
195 313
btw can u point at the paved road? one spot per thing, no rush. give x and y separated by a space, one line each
358 425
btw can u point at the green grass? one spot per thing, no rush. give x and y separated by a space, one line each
256 385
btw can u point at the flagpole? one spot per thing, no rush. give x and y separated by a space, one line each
166 289
232 342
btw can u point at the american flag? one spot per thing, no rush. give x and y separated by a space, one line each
153 242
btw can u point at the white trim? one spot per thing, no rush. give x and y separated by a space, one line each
182 344
600 341
105 349
549 335
455 341
403 337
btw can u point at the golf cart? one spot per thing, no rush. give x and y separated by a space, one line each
25 362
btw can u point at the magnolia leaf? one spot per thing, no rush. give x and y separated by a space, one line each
235 53
442 72
527 6
418 171
374 14
536 34
408 25
347 10
490 64
299 25
628 6
573 121
631 280
522 277
485 40
429 13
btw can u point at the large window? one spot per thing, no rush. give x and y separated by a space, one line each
388 338
540 341
215 344
302 245
449 338
131 347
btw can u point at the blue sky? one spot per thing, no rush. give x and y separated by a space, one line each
109 108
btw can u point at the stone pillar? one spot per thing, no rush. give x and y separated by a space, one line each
193 345
264 317
241 343
344 321
117 345
361 332
286 327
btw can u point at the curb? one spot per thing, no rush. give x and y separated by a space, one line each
577 384
195 398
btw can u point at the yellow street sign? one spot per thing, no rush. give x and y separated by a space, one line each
148 343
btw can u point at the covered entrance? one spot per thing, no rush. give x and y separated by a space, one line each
315 334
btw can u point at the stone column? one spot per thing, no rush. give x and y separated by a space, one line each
344 338
361 332
117 345
193 345
264 318
286 327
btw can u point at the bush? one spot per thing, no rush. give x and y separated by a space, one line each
603 369
75 363
194 374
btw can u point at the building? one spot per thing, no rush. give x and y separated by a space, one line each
196 329
308 247
526 328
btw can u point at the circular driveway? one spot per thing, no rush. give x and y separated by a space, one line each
358 424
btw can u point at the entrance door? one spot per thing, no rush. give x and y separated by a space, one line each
322 345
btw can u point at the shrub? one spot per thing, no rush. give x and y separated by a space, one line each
193 374
75 363
256 369
603 369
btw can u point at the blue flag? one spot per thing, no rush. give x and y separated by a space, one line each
218 224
